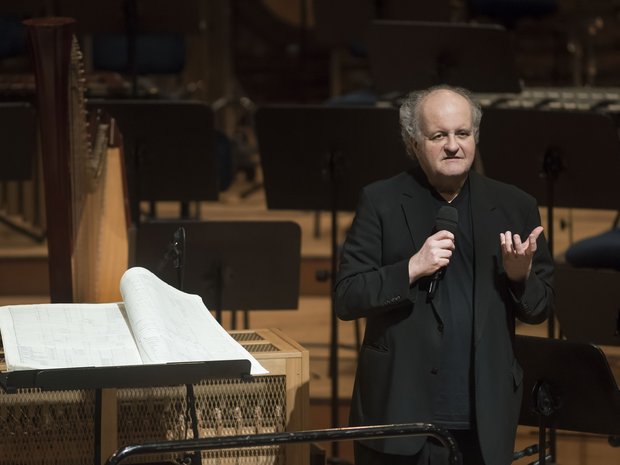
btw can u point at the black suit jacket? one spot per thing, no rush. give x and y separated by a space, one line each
397 370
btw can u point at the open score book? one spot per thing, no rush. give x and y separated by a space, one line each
155 324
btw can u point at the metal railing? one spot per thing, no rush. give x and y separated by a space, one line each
272 439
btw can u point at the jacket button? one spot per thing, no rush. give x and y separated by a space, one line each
434 371
440 327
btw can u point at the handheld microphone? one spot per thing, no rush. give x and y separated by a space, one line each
447 219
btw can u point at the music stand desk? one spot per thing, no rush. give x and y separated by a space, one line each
544 153
152 16
342 23
19 135
117 377
516 143
410 55
175 143
169 149
309 150
587 303
577 389
100 378
18 132
232 265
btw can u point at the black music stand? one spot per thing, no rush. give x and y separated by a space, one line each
578 151
18 131
544 152
439 10
151 15
343 22
132 17
232 265
587 303
118 377
409 55
319 158
170 150
566 385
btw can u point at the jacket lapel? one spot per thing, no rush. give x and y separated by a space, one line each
418 208
486 248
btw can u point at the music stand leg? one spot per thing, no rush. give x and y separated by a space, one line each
545 406
542 438
32 234
97 428
552 166
131 27
317 225
333 362
191 408
105 426
184 210
550 234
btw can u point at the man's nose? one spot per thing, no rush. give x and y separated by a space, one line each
451 143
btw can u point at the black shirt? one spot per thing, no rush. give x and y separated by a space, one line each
453 400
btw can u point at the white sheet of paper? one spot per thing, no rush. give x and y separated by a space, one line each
173 326
66 335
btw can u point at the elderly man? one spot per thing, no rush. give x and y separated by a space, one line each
442 355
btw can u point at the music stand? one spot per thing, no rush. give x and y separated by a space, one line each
117 377
409 55
18 131
566 385
133 17
152 16
549 163
587 303
319 158
169 150
19 140
342 22
526 146
233 265
439 10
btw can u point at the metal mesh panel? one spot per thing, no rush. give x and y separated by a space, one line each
247 336
47 428
224 408
260 348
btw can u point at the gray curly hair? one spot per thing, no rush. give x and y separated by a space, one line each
410 113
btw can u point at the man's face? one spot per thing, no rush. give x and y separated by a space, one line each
447 147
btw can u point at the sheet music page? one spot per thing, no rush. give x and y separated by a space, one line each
66 335
172 326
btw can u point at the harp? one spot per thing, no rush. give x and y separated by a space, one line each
87 213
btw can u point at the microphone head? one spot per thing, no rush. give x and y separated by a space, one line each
447 219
